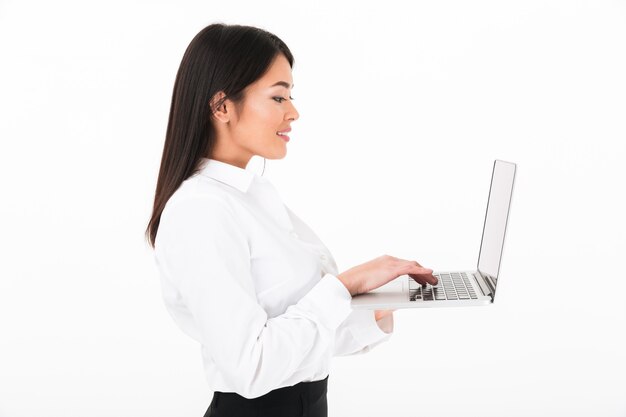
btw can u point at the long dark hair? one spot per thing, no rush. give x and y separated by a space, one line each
220 57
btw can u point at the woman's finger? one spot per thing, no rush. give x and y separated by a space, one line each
411 267
420 270
423 279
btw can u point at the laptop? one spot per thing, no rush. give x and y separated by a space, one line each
457 288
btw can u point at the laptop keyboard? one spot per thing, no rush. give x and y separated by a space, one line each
450 286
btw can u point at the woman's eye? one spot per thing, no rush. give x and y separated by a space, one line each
278 99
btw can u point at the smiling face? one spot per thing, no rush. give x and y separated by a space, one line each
252 129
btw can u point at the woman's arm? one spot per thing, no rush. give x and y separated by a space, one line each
203 252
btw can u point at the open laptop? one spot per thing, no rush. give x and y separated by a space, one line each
458 288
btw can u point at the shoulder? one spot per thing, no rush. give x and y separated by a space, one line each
198 194
197 205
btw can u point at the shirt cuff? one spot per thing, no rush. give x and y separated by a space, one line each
330 300
370 332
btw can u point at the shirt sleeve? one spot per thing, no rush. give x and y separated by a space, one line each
206 256
360 333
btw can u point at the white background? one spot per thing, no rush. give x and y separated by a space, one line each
403 108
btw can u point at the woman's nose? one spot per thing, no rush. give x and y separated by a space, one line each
293 114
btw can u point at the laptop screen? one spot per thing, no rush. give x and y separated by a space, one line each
494 229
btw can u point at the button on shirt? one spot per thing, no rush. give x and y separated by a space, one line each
253 284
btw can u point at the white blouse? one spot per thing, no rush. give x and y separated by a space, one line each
252 283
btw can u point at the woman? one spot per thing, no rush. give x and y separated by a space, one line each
240 272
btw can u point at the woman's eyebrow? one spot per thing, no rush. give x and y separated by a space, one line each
283 83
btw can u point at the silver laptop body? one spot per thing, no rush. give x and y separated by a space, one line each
457 288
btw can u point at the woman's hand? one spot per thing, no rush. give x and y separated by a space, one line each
379 314
377 272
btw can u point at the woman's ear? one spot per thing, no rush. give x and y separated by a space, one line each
219 113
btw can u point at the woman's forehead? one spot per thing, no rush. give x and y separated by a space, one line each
278 75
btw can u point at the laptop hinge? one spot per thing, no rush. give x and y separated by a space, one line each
485 284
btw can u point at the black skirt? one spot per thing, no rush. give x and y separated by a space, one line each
303 399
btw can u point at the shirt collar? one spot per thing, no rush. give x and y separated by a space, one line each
226 173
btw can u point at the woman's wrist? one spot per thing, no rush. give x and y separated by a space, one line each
347 282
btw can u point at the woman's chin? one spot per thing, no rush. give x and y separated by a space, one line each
278 154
